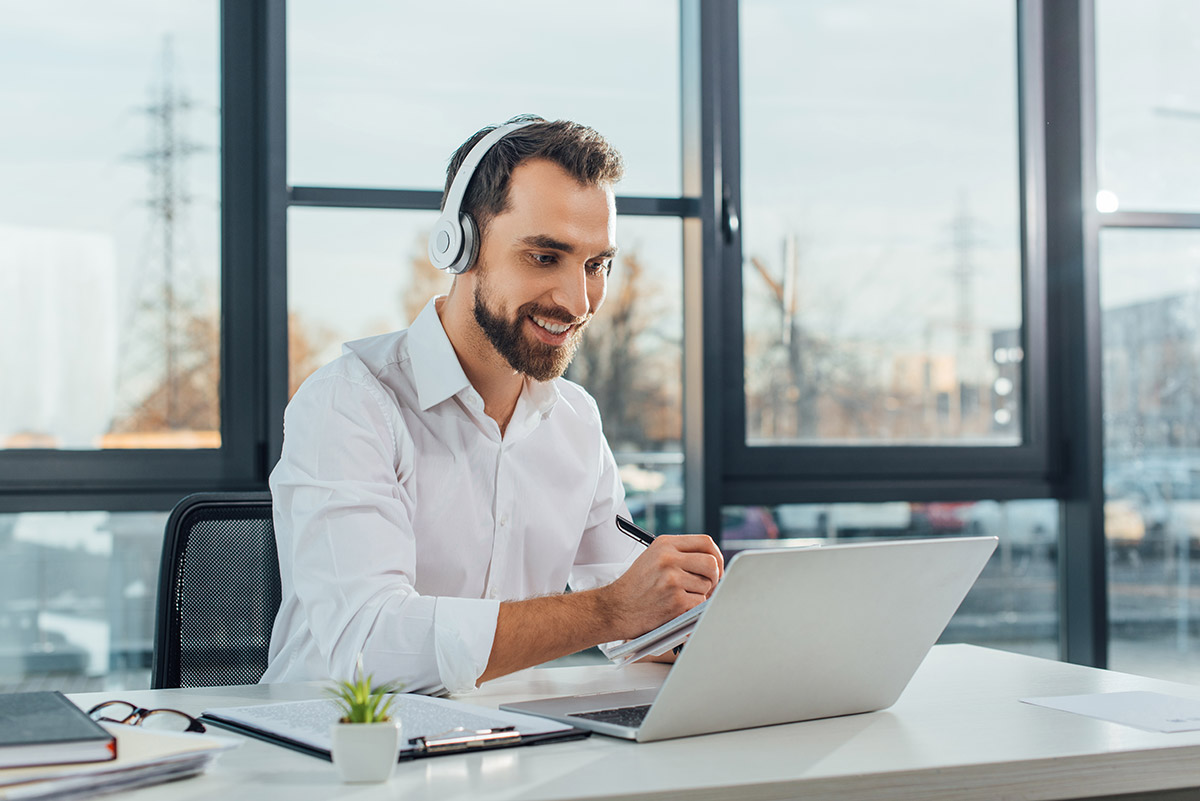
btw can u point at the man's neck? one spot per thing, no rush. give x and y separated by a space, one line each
497 383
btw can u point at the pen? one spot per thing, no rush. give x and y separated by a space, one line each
460 739
640 534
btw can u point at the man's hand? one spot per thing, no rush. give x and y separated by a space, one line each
673 575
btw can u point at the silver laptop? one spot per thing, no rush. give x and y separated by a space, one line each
794 635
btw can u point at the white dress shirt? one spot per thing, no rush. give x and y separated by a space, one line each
403 518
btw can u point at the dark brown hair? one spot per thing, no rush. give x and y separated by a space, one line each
578 149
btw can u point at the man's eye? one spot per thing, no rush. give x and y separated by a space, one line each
545 259
600 267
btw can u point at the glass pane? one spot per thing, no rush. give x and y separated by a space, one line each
631 360
77 595
1014 603
1150 298
109 226
881 222
1148 104
380 93
354 273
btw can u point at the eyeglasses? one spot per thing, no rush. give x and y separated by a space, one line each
133 715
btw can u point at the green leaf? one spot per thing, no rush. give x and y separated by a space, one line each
361 702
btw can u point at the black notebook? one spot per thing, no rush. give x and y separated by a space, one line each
44 728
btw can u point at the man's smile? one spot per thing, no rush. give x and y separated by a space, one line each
551 332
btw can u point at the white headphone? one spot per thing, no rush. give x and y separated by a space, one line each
454 240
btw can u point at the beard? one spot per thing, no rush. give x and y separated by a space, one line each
524 354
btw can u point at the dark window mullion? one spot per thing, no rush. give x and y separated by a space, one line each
430 200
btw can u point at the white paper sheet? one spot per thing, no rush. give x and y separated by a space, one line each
1142 710
309 722
658 641
143 757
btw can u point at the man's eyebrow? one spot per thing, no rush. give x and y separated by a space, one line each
550 243
547 243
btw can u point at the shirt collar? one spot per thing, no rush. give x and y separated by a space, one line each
436 372
541 395
438 375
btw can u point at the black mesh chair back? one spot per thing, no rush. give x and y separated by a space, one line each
218 591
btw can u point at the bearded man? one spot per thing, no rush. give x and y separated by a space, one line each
441 486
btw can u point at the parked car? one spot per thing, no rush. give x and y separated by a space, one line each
837 520
1168 499
940 518
1031 526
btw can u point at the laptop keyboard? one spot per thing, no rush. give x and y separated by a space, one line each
631 716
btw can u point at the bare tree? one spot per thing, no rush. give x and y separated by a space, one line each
306 342
631 368
424 281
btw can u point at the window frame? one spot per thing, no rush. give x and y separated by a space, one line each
882 472
153 480
1060 455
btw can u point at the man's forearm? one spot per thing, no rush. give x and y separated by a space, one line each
531 632
670 577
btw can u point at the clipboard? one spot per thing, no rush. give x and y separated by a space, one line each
303 726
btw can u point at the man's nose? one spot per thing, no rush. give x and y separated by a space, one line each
571 293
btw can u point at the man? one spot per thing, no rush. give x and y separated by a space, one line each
440 486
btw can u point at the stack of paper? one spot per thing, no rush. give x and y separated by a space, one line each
44 728
659 641
143 758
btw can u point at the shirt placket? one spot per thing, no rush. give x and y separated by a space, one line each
502 524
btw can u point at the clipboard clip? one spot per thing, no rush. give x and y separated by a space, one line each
462 739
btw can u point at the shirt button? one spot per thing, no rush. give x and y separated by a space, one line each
504 520
493 594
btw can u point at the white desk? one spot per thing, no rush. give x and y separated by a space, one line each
957 732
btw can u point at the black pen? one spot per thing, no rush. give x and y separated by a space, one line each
640 534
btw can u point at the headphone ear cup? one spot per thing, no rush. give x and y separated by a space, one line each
445 244
470 244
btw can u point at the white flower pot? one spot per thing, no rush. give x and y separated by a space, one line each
366 752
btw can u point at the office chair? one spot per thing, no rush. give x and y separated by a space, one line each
218 591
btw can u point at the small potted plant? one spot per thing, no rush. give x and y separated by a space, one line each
366 738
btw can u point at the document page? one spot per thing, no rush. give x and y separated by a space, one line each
658 641
309 722
1142 710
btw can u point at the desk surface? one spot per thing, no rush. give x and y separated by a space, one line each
958 731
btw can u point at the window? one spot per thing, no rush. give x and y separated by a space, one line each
881 247
353 273
1147 105
1014 603
77 596
1147 118
380 95
109 228
881 331
1151 305
355 141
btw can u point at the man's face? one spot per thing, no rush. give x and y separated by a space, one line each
543 268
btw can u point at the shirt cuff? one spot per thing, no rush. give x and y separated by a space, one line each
463 632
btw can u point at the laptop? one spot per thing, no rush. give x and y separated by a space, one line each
792 635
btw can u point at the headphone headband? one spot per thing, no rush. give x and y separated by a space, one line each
453 242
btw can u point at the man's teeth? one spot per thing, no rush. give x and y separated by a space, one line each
553 328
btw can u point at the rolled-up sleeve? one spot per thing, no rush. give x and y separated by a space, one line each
343 519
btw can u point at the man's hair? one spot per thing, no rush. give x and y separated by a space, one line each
578 149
